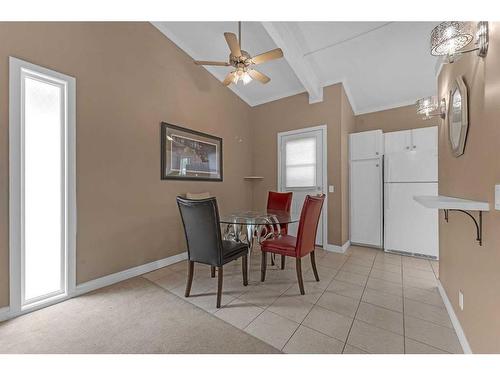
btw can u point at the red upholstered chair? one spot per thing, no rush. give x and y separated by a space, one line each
300 246
281 202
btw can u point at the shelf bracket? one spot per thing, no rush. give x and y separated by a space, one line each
479 225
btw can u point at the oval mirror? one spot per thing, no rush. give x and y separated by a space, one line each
458 118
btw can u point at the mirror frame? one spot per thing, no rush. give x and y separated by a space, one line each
459 85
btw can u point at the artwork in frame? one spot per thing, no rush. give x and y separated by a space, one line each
189 155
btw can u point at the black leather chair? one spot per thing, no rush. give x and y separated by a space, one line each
205 245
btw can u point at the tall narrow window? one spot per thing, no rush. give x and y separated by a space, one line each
42 179
44 113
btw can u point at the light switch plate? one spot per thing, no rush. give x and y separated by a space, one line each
331 189
497 197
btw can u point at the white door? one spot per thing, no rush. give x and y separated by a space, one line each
366 145
302 170
366 202
408 226
42 185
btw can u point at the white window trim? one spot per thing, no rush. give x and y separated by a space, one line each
323 129
17 69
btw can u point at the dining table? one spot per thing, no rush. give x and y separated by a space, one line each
249 226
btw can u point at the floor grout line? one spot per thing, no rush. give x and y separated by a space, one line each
314 304
336 271
357 308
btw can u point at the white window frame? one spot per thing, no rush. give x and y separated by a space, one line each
18 70
323 129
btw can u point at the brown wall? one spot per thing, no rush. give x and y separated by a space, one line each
129 78
399 118
463 263
291 113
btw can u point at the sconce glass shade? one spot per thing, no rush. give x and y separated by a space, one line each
429 105
449 37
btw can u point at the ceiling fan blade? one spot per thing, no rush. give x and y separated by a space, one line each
270 55
229 79
258 76
215 63
232 42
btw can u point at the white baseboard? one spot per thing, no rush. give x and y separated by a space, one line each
338 249
4 313
108 280
454 320
127 274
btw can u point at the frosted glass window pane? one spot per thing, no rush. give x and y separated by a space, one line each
301 176
301 151
42 182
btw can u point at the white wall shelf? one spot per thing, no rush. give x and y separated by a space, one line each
451 203
253 178
442 202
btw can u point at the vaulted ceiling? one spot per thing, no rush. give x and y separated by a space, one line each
381 64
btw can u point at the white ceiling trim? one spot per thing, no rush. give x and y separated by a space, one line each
171 35
281 34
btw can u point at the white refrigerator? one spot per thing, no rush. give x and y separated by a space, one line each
365 169
410 168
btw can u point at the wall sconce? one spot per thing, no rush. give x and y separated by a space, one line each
429 105
448 39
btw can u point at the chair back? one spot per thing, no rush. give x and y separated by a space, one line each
279 201
308 224
200 219
198 195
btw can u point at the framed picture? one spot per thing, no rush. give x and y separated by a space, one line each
189 155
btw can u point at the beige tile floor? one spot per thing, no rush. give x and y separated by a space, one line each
367 301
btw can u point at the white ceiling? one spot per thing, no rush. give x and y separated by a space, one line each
381 64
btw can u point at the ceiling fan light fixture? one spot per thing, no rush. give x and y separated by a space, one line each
246 78
242 61
241 75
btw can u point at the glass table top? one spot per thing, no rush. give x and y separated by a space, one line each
259 217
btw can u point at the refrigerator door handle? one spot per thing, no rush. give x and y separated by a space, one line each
387 168
386 197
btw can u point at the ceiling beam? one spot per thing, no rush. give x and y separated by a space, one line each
284 38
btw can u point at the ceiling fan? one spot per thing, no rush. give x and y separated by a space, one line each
243 62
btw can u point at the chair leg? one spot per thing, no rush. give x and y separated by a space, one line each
219 286
190 278
298 266
245 269
212 271
263 266
282 262
313 263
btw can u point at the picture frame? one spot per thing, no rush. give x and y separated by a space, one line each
188 154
